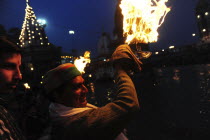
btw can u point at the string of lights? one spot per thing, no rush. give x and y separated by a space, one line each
32 29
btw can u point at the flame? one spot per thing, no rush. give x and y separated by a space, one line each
142 18
81 62
26 85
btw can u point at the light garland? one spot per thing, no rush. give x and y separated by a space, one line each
30 29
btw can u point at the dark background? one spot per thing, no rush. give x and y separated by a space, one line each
89 18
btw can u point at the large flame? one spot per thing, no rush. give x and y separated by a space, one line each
142 18
81 62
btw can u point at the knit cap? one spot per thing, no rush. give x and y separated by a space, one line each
59 75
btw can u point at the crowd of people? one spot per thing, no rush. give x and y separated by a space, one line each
63 112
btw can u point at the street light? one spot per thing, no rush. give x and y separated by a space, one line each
204 30
42 22
71 32
171 47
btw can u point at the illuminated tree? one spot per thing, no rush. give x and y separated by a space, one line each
32 32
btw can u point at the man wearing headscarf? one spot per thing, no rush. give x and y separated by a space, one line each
74 119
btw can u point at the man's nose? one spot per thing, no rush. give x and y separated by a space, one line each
18 74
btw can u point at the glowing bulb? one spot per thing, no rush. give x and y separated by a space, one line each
41 22
171 47
26 86
71 32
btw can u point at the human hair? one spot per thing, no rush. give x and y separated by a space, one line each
7 48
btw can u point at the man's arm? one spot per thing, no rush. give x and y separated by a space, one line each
106 123
110 120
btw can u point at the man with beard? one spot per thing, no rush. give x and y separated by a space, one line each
10 75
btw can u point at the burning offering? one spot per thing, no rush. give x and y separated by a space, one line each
142 18
81 62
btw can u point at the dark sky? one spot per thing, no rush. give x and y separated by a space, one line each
89 18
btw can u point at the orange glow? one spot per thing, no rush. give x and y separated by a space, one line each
81 62
142 18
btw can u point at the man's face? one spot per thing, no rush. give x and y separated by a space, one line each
10 73
74 93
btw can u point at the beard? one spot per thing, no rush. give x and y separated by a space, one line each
7 95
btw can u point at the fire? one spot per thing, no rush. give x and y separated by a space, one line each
81 62
142 18
26 85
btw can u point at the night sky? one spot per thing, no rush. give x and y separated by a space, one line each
89 18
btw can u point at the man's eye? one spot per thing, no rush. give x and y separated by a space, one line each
75 87
8 66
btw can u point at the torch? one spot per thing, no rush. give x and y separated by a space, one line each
141 20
